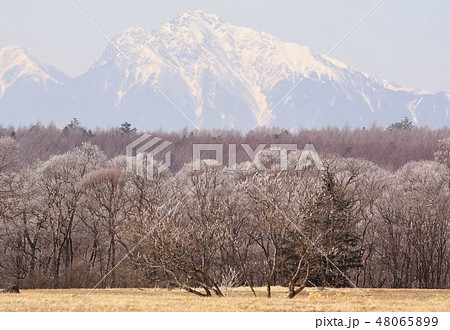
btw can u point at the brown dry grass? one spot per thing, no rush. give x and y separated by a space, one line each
140 300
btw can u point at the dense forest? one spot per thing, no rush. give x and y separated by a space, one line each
378 215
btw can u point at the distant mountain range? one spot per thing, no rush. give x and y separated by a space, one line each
218 74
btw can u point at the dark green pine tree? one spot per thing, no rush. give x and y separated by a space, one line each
405 124
126 128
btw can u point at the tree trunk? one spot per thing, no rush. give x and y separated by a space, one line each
292 291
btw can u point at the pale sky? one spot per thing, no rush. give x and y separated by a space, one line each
405 41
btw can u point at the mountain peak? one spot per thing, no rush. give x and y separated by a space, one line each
135 30
14 54
195 20
13 48
17 62
11 56
133 35
197 16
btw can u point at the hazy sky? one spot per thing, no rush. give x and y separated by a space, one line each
406 41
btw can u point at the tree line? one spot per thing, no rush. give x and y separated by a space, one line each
388 148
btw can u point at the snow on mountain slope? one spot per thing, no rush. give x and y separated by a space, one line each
225 76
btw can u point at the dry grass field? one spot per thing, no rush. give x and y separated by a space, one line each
161 300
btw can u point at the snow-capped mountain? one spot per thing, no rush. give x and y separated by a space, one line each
28 86
200 69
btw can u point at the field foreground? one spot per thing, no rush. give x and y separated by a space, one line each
240 299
